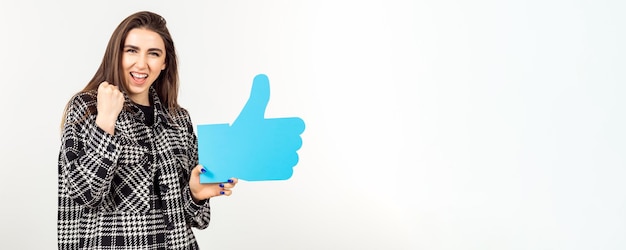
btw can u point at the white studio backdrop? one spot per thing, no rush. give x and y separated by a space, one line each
430 124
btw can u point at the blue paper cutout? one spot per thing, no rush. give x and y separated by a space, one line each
253 148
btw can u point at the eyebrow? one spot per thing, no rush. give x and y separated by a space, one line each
137 48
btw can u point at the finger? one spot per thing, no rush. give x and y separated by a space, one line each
257 102
229 184
197 170
107 86
226 192
117 91
102 87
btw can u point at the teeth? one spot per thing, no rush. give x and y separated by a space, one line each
139 75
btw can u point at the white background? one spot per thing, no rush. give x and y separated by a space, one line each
441 124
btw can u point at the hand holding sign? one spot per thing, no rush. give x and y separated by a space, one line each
253 148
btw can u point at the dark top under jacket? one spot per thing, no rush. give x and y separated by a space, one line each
129 190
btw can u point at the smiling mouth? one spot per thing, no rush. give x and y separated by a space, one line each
138 75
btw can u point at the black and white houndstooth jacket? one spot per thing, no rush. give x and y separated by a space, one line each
129 190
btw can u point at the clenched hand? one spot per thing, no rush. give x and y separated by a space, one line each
110 104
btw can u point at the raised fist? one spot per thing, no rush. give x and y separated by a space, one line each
110 104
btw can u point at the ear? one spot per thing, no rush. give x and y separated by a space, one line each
163 67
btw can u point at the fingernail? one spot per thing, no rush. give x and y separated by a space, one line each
230 181
203 170
221 185
222 192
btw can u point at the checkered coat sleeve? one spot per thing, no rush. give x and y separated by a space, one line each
129 190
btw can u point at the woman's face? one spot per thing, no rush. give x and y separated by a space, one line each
143 58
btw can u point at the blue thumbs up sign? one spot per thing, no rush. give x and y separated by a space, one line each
253 148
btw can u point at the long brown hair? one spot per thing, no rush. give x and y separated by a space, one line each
110 70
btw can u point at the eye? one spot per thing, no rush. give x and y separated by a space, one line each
156 54
131 51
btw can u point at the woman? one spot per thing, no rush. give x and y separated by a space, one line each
128 163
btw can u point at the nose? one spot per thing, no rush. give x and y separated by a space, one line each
141 62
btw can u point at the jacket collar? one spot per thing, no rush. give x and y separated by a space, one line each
161 113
